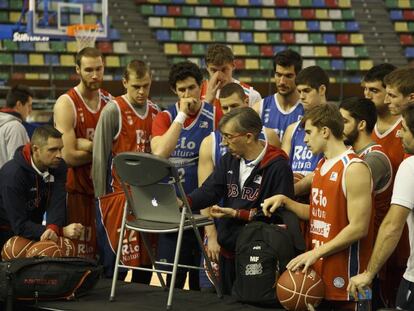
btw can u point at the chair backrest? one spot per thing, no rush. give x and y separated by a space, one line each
142 169
151 196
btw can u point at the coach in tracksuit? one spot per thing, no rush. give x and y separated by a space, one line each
251 171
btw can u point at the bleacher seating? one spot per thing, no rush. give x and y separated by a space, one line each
323 31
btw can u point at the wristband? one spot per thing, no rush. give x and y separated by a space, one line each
180 118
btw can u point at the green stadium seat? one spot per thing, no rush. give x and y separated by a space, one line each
247 24
10 45
214 11
255 13
273 37
347 14
273 25
6 59
177 35
126 59
15 4
4 76
229 2
410 26
339 26
295 48
4 16
181 22
361 51
351 64
391 4
198 49
253 50
306 3
220 23
315 38
265 64
219 36
295 13
323 63
187 10
57 46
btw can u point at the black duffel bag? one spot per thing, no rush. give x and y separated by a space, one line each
46 278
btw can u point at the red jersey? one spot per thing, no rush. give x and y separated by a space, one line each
134 132
328 216
79 178
392 144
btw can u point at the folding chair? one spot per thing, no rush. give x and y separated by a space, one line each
150 184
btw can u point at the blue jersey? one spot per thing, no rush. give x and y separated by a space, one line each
218 150
274 117
301 159
185 155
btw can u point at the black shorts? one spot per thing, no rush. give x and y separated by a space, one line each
405 296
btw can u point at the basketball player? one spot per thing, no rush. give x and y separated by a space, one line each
124 125
177 134
340 209
280 110
220 65
400 212
32 183
76 114
312 84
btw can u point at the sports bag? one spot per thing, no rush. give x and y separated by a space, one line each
262 252
46 278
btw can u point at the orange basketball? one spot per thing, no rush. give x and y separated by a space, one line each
15 247
297 177
67 247
44 248
295 290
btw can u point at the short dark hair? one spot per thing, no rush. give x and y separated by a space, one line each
247 120
402 79
314 76
87 52
182 71
287 58
408 115
231 88
361 109
219 54
42 133
17 93
138 68
327 115
378 73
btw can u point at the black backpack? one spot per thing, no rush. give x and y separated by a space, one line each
46 278
262 252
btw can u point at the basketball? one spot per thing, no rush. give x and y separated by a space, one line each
44 248
295 290
67 247
297 177
15 247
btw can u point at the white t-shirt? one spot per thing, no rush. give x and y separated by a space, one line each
403 194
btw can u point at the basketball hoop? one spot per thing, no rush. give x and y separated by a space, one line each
85 34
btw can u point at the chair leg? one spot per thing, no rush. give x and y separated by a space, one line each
151 256
176 259
118 254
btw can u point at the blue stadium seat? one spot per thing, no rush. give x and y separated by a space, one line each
255 2
20 59
319 3
352 26
279 48
26 46
329 38
160 10
282 13
162 35
114 34
194 23
178 1
246 37
396 15
4 4
52 59
337 64
313 25
409 52
242 12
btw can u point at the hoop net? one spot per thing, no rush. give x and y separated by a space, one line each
85 34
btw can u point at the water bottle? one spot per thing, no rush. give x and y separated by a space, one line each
364 303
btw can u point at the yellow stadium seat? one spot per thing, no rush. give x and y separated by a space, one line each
112 61
42 46
207 23
227 12
404 4
191 1
67 60
170 48
71 46
36 59
252 64
168 22
401 27
14 17
321 13
260 37
365 64
31 76
357 38
90 19
299 26
239 50
242 2
321 51
204 36
294 3
268 13
268 2
344 3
